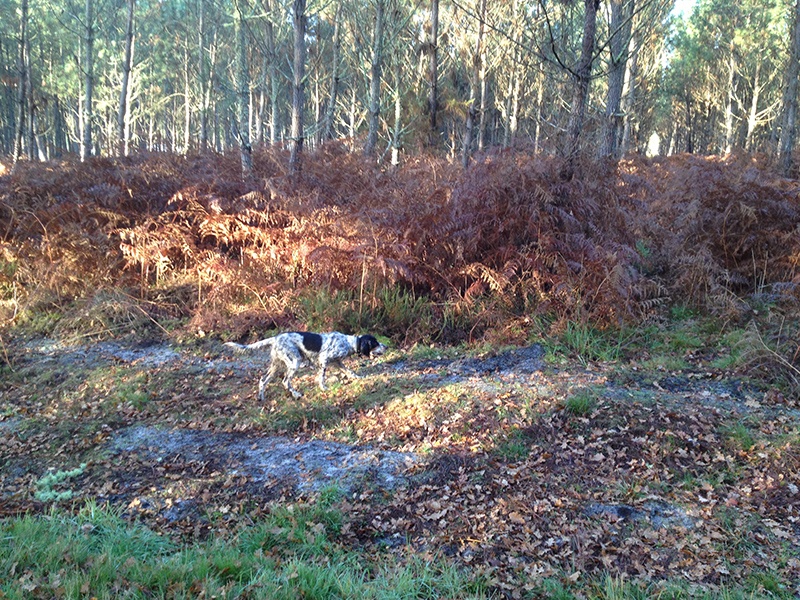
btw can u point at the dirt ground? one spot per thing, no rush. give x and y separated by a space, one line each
504 462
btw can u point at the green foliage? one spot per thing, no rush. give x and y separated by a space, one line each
513 446
740 436
588 344
581 403
45 486
291 554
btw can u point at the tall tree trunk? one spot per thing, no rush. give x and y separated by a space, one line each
514 77
273 78
484 104
398 108
242 92
123 115
298 88
187 97
31 104
375 80
333 94
88 85
474 84
729 104
262 99
433 74
60 138
537 132
752 113
353 115
629 95
582 76
22 72
789 113
613 127
203 70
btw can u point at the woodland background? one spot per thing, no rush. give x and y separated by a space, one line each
112 77
491 192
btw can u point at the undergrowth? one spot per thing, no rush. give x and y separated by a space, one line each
423 253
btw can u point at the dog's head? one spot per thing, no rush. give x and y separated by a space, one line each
369 346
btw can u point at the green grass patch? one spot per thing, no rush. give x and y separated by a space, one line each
739 437
291 554
513 446
581 403
588 344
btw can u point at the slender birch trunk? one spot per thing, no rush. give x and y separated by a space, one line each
375 80
298 89
433 74
333 94
88 81
123 115
21 77
466 150
242 92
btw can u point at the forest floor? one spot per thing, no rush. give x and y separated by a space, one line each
512 462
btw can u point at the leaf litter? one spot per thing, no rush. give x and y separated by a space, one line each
477 460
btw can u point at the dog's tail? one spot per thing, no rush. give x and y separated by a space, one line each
254 346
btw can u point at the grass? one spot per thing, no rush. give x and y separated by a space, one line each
581 403
290 554
610 587
514 446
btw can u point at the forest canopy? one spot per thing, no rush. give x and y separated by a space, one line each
392 77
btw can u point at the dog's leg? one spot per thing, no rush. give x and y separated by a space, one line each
262 383
322 369
291 369
349 372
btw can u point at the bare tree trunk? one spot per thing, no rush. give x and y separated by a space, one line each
582 76
187 105
729 130
512 99
433 74
398 108
123 115
333 95
273 78
752 114
31 105
789 118
484 104
298 90
262 100
242 92
629 95
22 72
203 70
613 127
375 80
88 85
353 110
466 150
537 134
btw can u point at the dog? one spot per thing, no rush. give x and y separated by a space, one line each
324 349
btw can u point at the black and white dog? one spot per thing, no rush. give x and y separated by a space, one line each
295 348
